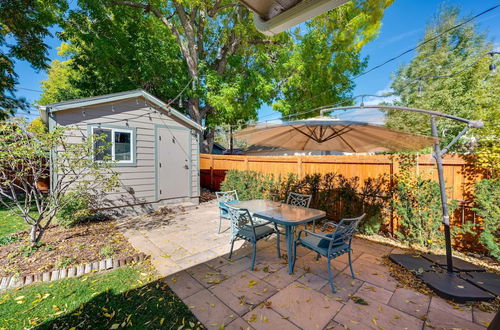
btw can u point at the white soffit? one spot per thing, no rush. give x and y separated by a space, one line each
275 16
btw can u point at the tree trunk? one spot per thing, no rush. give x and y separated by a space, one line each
36 234
208 140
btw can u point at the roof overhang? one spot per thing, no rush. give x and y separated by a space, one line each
85 102
273 16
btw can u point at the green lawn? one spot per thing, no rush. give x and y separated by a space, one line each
10 223
126 297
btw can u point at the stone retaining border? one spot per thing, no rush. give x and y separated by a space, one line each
75 271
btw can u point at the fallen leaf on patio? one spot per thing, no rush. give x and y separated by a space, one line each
268 304
252 283
397 317
252 318
371 288
380 309
359 300
374 320
353 283
354 322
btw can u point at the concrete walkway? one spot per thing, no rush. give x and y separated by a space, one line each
186 248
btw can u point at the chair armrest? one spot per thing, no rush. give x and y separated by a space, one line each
314 234
329 223
262 224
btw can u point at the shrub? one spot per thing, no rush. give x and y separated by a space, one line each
487 200
64 262
75 208
417 205
107 251
6 240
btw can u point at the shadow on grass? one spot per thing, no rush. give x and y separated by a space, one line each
152 305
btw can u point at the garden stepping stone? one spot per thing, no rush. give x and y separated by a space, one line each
374 292
375 315
410 302
243 292
183 284
267 319
304 307
209 310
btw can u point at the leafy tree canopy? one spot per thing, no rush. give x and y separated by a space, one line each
471 94
213 48
326 56
23 26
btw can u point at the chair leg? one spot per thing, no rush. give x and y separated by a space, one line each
278 243
350 264
294 253
220 223
232 245
330 277
254 254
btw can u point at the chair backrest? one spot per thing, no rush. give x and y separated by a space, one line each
240 218
226 196
299 199
345 230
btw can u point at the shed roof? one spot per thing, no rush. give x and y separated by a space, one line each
71 104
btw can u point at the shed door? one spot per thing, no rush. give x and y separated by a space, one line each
173 162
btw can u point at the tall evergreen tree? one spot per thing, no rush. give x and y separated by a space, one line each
473 93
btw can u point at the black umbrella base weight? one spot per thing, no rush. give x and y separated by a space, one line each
467 283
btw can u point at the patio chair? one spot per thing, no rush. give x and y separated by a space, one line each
331 245
300 200
225 197
246 229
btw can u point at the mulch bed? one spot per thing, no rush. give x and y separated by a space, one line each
63 247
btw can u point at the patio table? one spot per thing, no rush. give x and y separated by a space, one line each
288 216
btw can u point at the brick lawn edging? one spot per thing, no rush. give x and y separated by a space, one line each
75 271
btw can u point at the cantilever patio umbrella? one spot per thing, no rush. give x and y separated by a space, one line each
327 133
330 134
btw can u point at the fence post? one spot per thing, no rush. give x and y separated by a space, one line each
246 163
211 172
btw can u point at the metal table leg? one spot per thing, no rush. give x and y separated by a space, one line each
289 231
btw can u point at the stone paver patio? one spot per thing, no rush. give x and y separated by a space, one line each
191 255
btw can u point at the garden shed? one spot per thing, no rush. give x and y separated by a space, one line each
154 148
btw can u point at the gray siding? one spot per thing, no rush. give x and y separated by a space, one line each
133 113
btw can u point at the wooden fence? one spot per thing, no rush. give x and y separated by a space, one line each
459 174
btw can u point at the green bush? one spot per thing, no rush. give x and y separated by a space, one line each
417 205
487 201
76 207
338 196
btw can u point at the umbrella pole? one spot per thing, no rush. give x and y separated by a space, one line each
444 202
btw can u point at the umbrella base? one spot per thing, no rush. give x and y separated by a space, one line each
460 286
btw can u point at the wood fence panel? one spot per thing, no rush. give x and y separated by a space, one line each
458 174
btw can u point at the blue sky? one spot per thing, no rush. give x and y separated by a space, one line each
402 28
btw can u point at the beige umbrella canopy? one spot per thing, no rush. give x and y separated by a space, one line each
327 133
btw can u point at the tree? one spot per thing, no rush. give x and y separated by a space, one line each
25 151
213 47
327 56
23 27
471 94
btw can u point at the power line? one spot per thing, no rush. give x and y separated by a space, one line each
426 41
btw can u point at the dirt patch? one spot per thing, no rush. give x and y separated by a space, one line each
207 195
63 247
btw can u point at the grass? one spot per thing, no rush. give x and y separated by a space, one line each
125 297
10 223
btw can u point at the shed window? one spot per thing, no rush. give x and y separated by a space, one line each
115 144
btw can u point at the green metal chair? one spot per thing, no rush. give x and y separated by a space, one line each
246 229
331 245
225 197
302 200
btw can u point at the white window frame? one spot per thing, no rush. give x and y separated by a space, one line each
120 130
